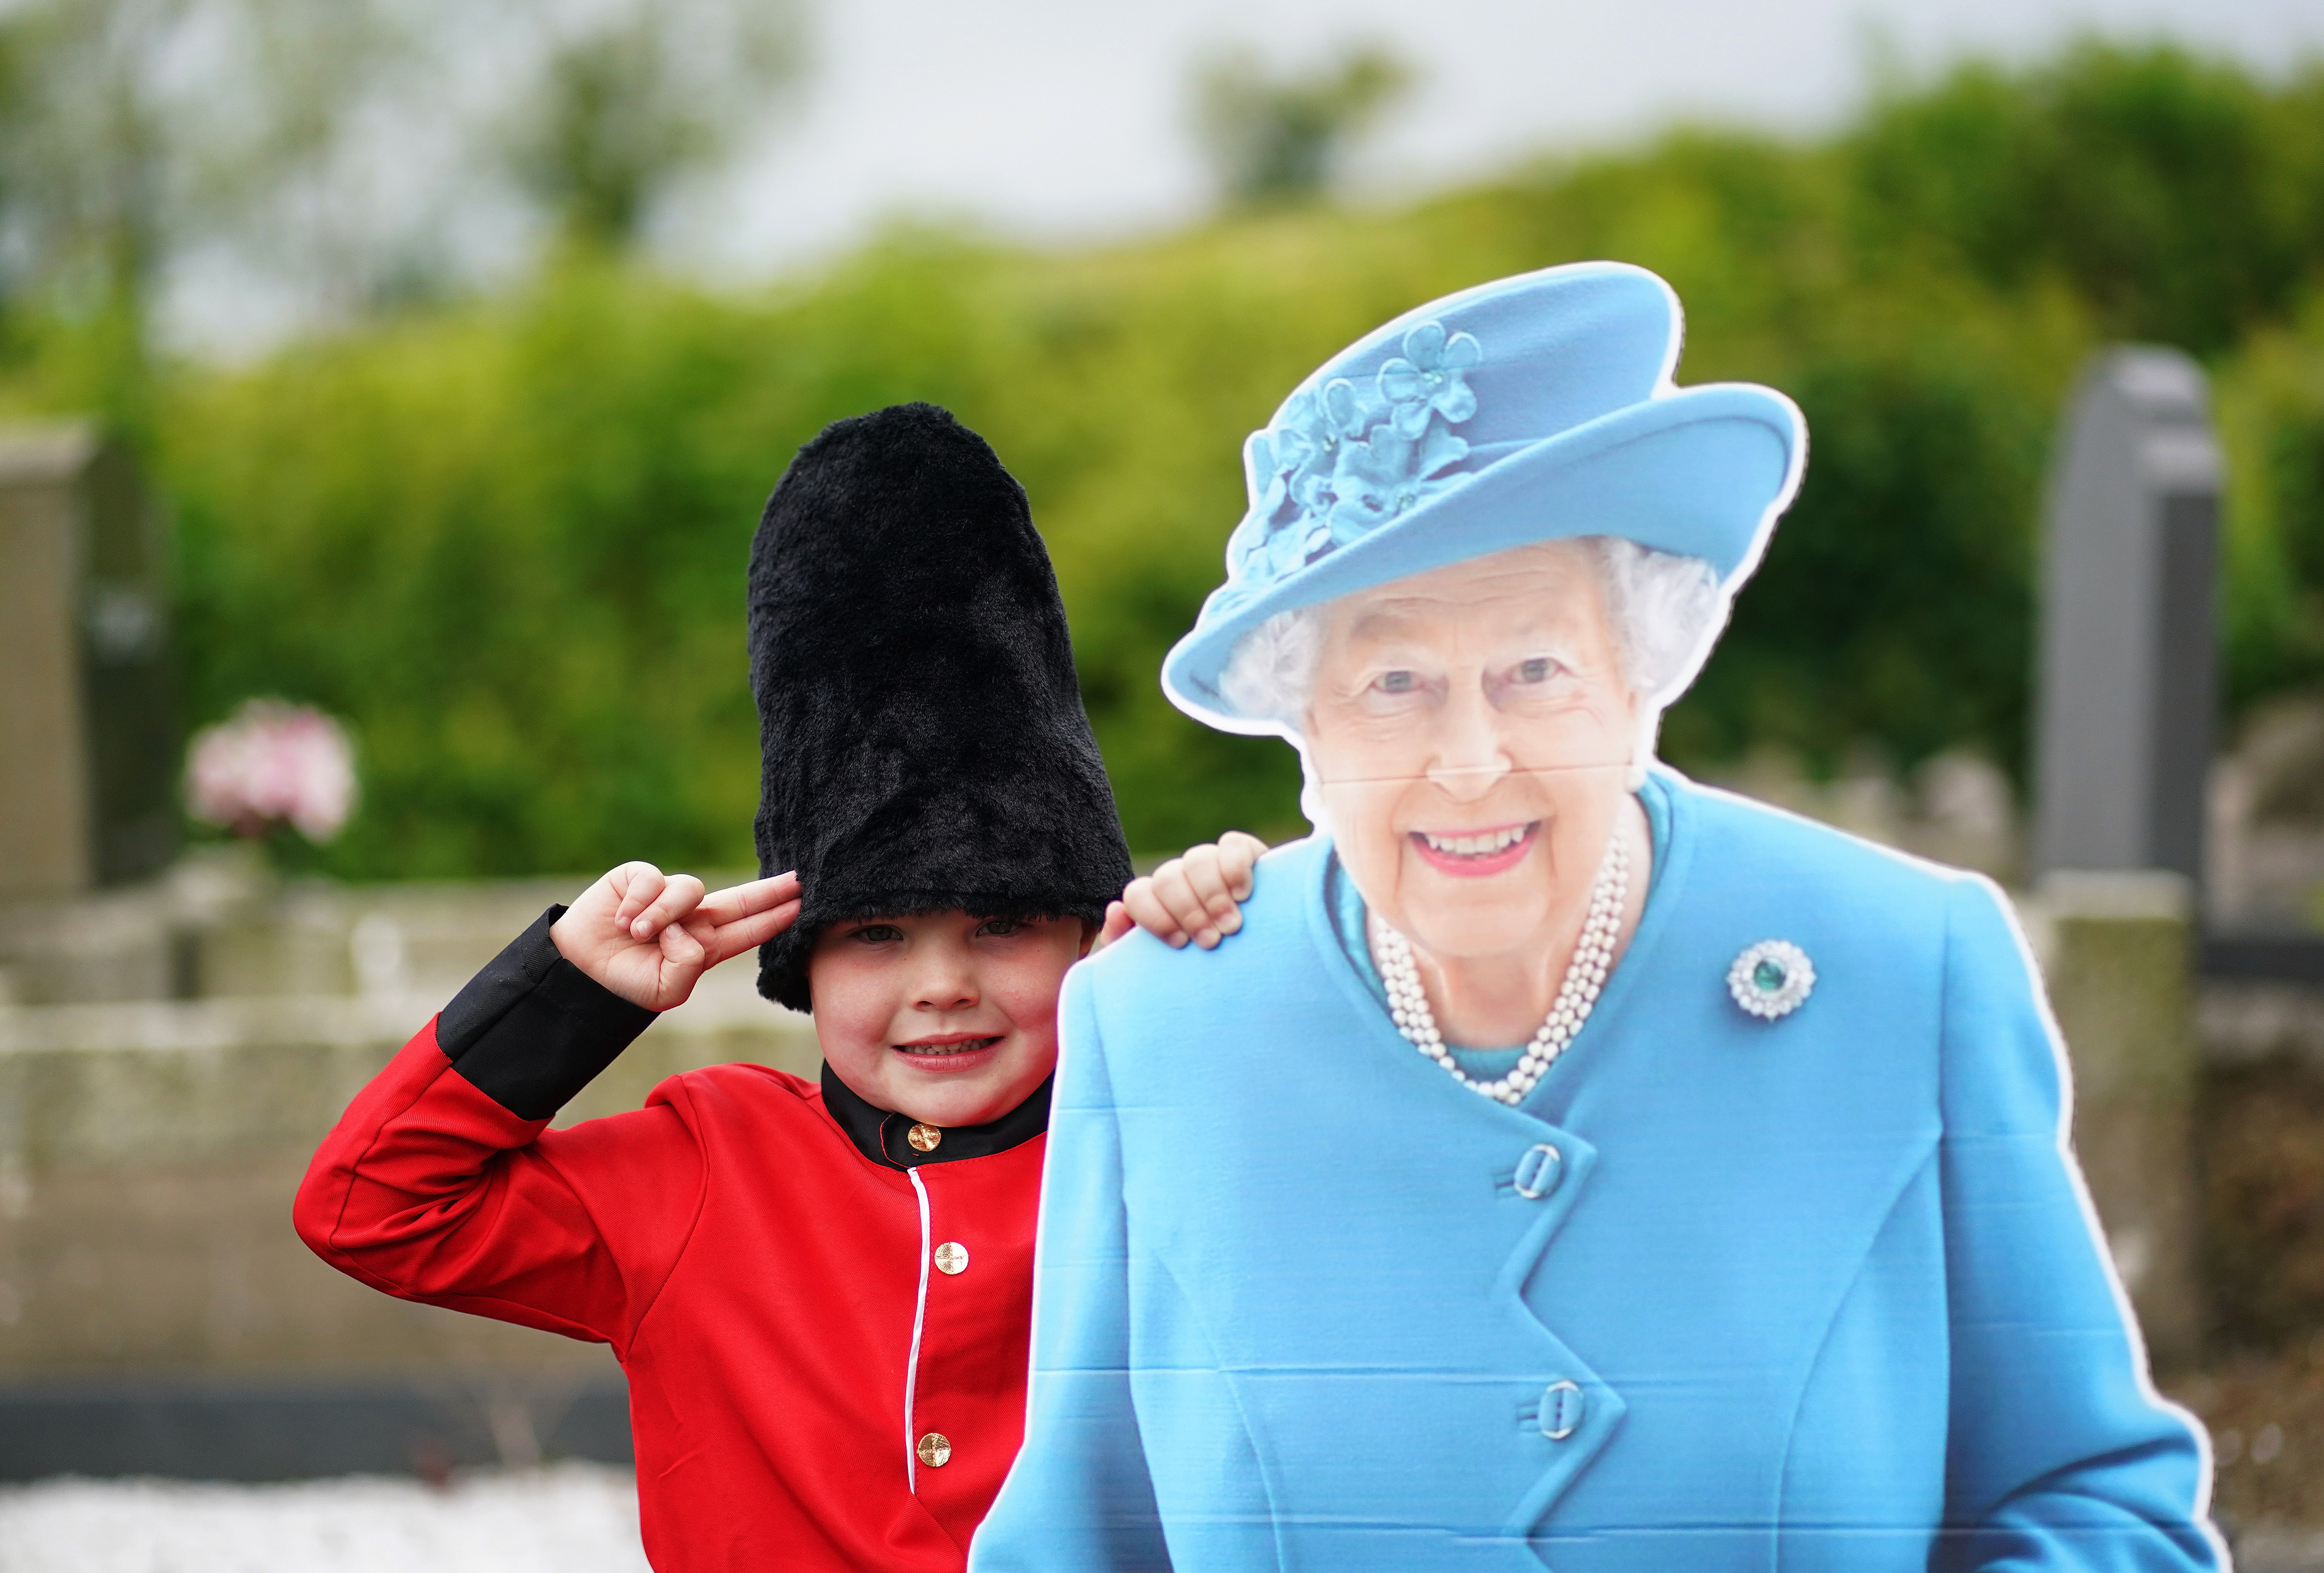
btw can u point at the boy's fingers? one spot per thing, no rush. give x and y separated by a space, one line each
1179 898
741 900
679 948
1210 887
1239 853
680 895
1118 922
751 932
635 884
1147 911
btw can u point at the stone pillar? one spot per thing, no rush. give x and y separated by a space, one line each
2117 952
88 738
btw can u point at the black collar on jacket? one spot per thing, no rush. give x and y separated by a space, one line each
880 1134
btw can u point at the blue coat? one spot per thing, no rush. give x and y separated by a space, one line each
1821 1295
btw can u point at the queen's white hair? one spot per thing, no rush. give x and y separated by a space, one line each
1664 609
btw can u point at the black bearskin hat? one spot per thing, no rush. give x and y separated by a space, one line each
923 741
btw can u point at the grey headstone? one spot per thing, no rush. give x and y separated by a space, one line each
88 743
2128 698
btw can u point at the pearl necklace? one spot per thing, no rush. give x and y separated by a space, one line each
1593 954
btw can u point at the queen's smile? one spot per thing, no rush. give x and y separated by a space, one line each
1476 852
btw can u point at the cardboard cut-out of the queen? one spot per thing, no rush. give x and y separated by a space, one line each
1566 1165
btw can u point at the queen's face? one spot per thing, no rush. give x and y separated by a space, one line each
1471 730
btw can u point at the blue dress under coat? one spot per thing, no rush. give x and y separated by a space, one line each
1819 1295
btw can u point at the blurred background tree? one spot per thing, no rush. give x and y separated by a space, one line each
1275 139
119 156
500 529
630 101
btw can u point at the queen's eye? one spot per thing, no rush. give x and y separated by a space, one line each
1396 683
1536 671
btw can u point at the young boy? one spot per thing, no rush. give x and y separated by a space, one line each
821 1294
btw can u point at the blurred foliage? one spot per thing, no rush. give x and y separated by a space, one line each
2271 405
505 538
2180 198
1273 140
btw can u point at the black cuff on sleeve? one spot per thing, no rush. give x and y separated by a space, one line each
531 1028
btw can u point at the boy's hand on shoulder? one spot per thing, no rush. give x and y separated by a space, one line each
1196 895
648 937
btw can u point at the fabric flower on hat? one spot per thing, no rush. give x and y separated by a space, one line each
1323 422
1428 378
1266 551
1388 474
1269 459
1293 461
1344 459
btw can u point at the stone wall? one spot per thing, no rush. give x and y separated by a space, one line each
177 1053
148 1153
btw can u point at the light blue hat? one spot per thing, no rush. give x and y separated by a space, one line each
1529 409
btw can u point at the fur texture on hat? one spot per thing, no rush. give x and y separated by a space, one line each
923 741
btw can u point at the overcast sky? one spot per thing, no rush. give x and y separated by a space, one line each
1065 119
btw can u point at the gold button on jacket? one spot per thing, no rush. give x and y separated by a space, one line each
924 1138
936 1449
952 1257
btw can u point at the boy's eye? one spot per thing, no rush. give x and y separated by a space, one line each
1000 926
877 934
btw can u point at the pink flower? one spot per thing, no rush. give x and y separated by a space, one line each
272 762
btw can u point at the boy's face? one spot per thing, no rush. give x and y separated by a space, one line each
943 1017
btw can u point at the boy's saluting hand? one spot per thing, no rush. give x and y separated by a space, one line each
648 936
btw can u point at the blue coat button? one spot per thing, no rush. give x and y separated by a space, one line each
1563 1405
1539 1171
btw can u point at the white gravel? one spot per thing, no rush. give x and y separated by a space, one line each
567 1518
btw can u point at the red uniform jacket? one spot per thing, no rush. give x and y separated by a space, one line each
825 1329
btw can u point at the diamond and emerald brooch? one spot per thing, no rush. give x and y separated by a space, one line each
1771 979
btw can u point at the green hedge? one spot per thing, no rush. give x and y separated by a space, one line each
506 541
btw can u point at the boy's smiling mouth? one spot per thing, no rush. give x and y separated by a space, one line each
946 1046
